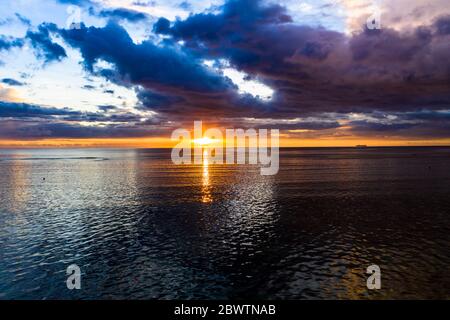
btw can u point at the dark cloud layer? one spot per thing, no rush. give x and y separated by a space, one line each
13 129
146 64
22 120
24 110
314 69
400 80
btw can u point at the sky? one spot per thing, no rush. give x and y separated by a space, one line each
129 72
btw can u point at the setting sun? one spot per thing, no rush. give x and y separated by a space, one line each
205 141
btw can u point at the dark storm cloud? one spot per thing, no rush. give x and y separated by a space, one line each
146 63
311 69
314 69
41 41
167 78
154 101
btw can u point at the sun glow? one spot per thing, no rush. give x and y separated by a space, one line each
205 141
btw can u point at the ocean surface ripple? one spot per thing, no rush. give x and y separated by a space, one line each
140 227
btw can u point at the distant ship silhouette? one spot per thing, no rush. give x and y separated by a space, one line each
361 146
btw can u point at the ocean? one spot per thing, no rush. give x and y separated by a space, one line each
140 227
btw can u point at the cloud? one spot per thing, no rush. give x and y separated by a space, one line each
23 20
29 121
144 63
313 69
18 129
415 124
106 108
125 131
443 25
185 5
400 15
41 41
77 2
7 43
397 79
24 110
8 94
12 82
123 14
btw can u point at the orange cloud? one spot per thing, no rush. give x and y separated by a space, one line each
8 94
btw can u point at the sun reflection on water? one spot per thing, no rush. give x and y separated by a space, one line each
206 187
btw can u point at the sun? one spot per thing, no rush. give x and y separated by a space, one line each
204 141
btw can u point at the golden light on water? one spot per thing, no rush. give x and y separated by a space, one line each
206 187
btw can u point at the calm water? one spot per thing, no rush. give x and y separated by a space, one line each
141 227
